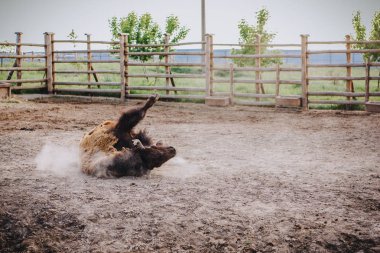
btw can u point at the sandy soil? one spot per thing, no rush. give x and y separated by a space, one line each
246 179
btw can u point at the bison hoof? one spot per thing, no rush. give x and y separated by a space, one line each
151 100
137 143
155 97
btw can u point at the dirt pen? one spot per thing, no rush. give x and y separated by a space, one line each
245 179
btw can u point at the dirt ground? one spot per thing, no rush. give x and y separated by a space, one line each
245 179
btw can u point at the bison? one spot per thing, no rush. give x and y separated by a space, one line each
114 149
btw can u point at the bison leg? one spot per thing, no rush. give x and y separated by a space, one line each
128 120
132 117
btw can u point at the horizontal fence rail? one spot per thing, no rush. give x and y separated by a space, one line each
259 76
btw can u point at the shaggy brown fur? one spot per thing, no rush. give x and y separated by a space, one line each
114 149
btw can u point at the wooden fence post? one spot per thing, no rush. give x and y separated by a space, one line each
211 38
277 80
304 74
232 88
123 65
258 65
89 58
18 53
349 83
49 62
367 77
207 65
53 58
167 68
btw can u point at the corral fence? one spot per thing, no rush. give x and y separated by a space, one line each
137 70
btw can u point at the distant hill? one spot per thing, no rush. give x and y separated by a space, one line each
314 59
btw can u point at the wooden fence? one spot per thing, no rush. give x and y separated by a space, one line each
246 85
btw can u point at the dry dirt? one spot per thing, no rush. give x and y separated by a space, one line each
245 179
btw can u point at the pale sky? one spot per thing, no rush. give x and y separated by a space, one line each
322 19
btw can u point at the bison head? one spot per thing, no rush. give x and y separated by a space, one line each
154 156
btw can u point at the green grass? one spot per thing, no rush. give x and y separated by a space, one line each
285 89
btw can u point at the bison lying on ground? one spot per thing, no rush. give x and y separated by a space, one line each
114 149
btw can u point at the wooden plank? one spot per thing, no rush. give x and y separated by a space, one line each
335 65
164 96
24 81
89 58
332 78
250 81
258 69
211 38
18 56
336 93
167 75
372 107
337 102
253 56
367 75
126 66
258 66
217 101
288 101
304 72
254 44
163 53
166 60
277 80
22 44
5 91
290 82
49 62
207 65
86 61
349 83
22 69
86 51
353 51
232 88
171 64
113 91
167 44
53 58
39 87
87 83
85 41
87 72
191 89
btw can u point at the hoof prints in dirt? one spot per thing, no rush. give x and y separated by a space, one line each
41 229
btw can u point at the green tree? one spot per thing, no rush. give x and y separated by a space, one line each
143 30
248 35
361 34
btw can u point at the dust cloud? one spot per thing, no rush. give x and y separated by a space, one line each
60 160
178 167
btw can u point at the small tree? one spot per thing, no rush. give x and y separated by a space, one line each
143 30
360 34
248 35
4 49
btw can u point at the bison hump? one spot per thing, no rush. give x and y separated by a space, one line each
101 138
